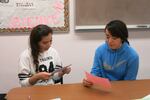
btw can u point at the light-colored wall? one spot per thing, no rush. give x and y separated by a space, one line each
76 48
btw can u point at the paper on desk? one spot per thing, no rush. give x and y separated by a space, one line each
56 99
144 98
103 82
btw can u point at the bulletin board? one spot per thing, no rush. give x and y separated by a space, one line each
23 15
97 13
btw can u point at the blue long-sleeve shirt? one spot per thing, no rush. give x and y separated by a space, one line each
120 64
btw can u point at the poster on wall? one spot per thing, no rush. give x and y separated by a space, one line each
23 15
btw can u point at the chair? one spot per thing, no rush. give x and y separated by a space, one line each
2 96
59 81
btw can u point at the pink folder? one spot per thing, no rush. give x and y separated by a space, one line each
103 82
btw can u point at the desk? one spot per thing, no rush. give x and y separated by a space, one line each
121 90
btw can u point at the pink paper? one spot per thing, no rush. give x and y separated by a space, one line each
104 82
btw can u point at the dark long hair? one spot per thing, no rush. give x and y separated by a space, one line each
118 29
36 35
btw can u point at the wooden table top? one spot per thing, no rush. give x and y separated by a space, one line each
121 90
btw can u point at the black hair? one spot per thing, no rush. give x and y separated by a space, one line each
118 28
36 35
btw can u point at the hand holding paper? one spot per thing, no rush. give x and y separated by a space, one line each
62 69
103 82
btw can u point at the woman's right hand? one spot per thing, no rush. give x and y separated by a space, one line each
87 83
43 75
39 76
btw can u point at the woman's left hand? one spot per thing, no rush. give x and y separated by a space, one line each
67 70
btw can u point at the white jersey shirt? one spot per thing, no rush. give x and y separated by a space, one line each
48 62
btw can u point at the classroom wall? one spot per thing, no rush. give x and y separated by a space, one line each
76 48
